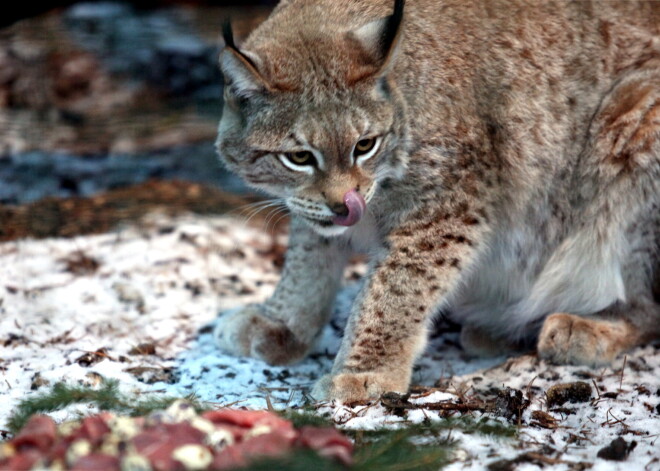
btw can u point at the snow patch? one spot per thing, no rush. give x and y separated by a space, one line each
164 283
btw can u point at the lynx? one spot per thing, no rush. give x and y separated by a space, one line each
497 159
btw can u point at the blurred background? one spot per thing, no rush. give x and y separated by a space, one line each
108 109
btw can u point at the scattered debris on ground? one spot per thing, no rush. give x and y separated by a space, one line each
559 394
618 450
78 327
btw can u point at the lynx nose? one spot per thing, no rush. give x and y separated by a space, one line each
354 207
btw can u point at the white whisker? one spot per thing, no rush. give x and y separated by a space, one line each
274 217
249 207
269 204
282 216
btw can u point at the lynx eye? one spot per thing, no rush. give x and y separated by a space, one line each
363 146
304 157
302 161
366 148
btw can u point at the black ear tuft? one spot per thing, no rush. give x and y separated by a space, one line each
240 71
391 28
228 34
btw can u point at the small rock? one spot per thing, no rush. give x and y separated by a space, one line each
151 375
38 381
396 403
91 358
80 264
143 349
502 465
544 420
510 403
571 392
617 450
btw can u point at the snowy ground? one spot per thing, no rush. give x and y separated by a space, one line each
139 304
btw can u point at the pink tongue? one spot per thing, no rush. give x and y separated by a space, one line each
356 207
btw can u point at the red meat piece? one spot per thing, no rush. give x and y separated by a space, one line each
328 442
158 443
247 418
183 434
40 432
239 422
157 448
229 458
92 429
264 445
96 462
58 451
22 461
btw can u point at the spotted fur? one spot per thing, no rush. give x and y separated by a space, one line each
516 184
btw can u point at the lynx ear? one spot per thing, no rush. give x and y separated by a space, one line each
242 77
381 38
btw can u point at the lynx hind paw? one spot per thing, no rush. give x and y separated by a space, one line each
248 332
570 339
354 387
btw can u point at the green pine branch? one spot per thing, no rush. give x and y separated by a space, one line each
423 446
106 398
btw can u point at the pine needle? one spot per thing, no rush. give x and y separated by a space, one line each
107 397
301 418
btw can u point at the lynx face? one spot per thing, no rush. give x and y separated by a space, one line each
322 149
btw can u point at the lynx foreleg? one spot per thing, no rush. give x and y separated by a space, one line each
281 330
388 327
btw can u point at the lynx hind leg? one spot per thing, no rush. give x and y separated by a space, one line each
250 332
574 340
624 163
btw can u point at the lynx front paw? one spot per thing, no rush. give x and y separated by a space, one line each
249 332
353 387
570 339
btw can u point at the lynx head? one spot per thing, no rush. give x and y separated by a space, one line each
311 116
